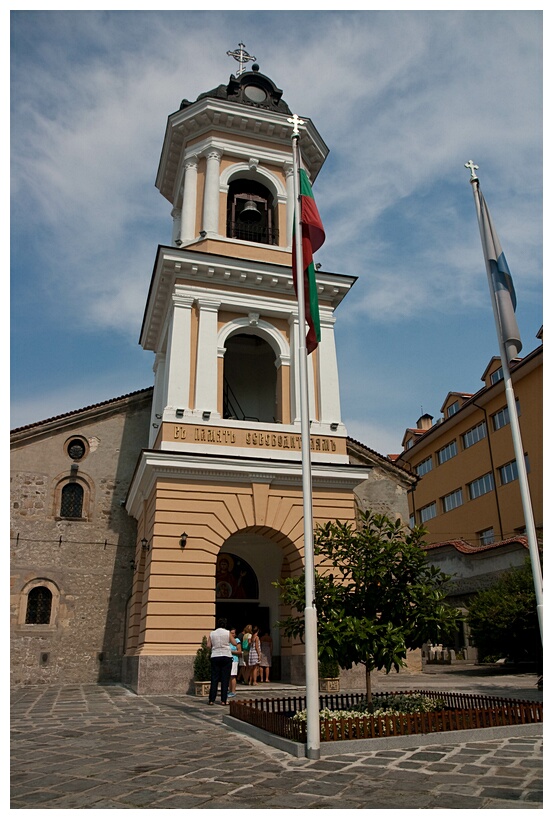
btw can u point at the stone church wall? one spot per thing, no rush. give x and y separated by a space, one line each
85 563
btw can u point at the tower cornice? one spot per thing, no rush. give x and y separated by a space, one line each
234 282
234 119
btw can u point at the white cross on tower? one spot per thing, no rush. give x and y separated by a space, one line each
242 56
296 122
470 164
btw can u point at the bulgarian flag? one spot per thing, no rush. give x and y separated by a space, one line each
313 237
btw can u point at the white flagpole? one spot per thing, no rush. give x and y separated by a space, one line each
310 612
513 417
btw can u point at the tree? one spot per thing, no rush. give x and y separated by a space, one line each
375 593
503 619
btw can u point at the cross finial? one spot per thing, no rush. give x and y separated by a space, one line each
472 167
295 121
241 55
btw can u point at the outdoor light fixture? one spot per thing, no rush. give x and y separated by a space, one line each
183 539
334 426
178 242
158 415
206 415
145 545
203 234
179 413
132 564
155 426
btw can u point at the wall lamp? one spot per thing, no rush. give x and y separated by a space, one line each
157 415
155 426
203 234
206 415
145 545
179 413
132 565
334 426
183 539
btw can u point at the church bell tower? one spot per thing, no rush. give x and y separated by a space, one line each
218 493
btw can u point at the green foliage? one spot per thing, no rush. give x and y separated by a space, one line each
382 704
202 663
503 619
375 593
328 667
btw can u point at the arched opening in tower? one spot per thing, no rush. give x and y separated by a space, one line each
250 379
251 214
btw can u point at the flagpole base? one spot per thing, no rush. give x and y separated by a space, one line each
313 753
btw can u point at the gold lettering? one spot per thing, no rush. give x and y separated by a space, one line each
285 442
232 437
333 445
211 436
279 440
254 438
326 446
273 440
318 444
176 431
248 438
196 434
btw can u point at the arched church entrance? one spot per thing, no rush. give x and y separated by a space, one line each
247 566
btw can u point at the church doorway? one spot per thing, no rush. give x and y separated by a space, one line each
247 566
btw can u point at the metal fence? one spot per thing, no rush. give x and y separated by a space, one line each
460 711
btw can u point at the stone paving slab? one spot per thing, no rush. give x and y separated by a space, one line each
113 750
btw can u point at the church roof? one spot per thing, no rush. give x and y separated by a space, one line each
250 88
110 402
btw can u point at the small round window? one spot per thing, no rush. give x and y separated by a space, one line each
76 449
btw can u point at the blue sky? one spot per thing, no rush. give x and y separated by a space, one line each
402 98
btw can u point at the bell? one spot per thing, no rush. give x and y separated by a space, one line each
250 212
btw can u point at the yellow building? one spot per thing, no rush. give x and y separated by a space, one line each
468 488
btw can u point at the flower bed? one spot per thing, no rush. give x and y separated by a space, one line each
346 716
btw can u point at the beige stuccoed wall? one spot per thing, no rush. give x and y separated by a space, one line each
173 604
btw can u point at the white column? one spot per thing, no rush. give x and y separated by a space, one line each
206 361
295 371
289 171
176 214
158 401
295 374
178 353
189 199
329 388
211 192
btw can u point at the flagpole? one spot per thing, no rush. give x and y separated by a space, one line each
310 611
513 417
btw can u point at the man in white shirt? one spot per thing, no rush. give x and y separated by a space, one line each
221 661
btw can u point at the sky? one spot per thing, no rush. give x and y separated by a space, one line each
402 99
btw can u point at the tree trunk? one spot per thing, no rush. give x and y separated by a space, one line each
368 683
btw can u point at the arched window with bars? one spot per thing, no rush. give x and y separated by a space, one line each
39 606
72 498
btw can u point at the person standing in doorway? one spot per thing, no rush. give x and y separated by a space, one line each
246 642
265 656
236 651
253 658
221 661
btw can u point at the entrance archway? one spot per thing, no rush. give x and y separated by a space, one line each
247 566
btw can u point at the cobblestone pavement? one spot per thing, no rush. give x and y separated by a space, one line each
103 747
